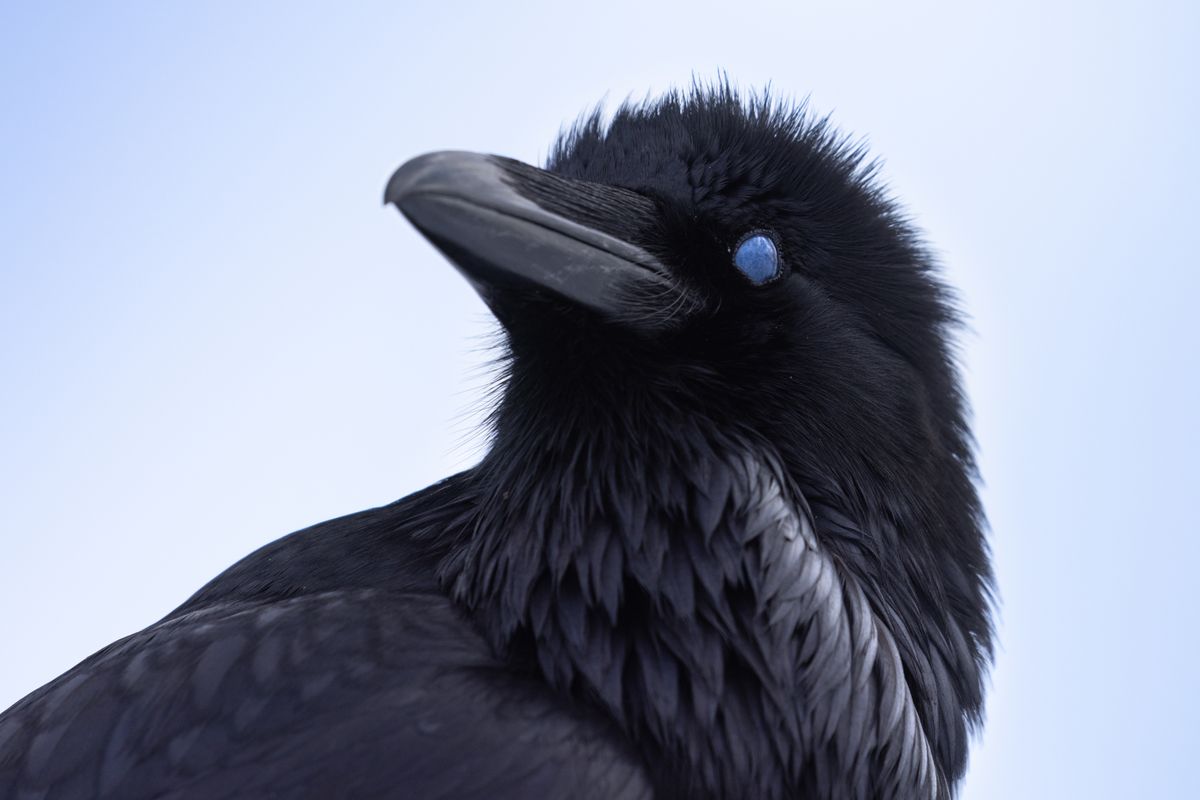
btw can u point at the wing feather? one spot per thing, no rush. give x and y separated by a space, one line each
339 694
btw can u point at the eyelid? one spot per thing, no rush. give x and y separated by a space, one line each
767 232
763 264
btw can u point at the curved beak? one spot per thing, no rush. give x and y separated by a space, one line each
509 227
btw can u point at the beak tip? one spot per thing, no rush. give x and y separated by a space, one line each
393 193
438 171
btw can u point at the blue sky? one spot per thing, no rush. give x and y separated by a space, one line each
212 333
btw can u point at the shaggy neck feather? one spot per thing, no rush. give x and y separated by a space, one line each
673 577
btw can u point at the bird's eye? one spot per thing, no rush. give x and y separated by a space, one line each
757 258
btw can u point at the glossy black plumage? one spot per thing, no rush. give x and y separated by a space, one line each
725 542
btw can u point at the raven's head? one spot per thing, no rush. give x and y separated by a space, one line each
733 265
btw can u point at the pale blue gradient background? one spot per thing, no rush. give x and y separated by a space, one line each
212 333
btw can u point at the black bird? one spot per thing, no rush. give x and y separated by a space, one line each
725 544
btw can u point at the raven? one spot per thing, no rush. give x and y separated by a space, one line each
725 543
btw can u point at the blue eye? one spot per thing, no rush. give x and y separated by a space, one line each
758 258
